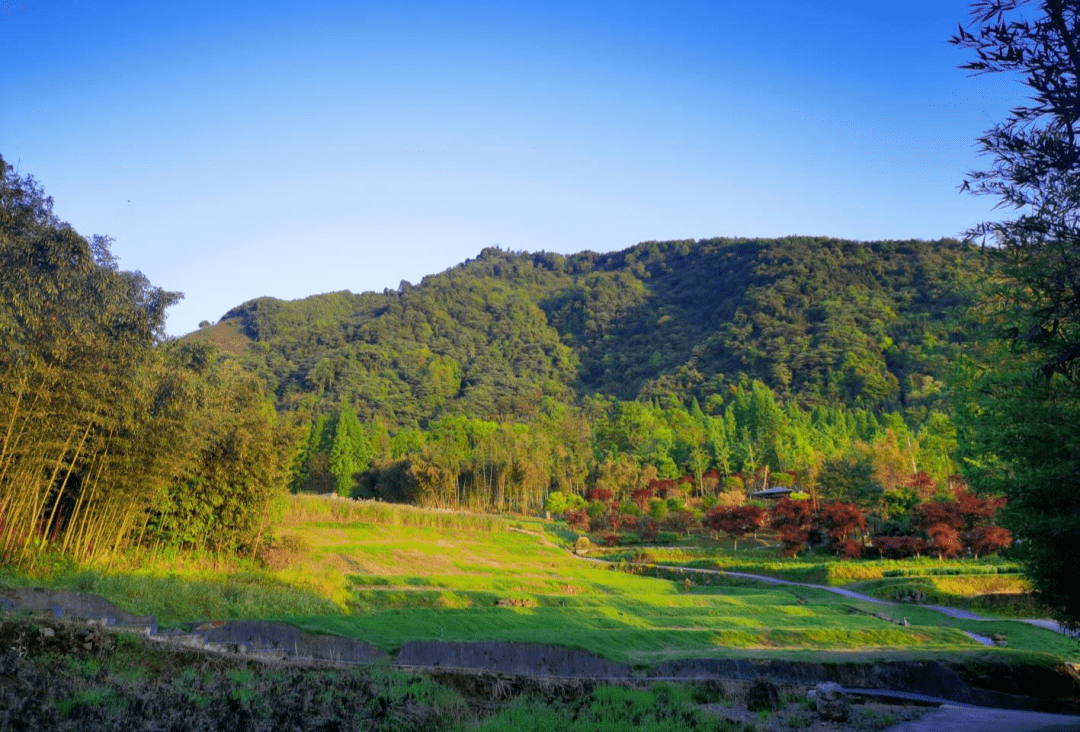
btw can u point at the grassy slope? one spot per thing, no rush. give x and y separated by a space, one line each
389 575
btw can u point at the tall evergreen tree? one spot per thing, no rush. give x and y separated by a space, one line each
1020 434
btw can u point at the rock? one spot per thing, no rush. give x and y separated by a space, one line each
829 701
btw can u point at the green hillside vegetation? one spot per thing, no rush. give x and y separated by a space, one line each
822 321
228 335
513 375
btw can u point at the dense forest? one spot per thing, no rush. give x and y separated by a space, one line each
109 432
821 321
514 374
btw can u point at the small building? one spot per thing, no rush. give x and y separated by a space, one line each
773 494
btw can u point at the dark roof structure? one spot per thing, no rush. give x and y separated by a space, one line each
775 493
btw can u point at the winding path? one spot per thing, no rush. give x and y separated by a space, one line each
1045 623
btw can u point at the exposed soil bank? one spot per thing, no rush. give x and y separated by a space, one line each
511 658
281 640
983 681
71 604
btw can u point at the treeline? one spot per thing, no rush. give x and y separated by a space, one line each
108 433
954 522
745 441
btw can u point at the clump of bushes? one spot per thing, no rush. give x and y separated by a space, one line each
286 552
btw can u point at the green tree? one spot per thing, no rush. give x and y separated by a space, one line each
225 501
1019 429
92 416
350 452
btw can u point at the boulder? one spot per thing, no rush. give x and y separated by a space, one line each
829 701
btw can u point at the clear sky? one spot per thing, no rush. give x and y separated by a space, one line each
235 150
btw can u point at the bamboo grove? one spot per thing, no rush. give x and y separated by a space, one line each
109 434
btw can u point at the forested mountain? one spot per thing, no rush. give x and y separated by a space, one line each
658 383
819 321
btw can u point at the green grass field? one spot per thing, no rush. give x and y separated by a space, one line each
388 575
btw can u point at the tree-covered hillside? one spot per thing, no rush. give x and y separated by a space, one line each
820 321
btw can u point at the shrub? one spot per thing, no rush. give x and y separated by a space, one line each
899 547
290 549
784 480
848 549
556 503
732 499
658 509
582 545
648 529
681 521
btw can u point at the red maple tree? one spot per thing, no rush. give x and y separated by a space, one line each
736 521
792 519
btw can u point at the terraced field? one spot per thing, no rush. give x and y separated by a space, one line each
388 575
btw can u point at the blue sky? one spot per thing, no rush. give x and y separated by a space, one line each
289 149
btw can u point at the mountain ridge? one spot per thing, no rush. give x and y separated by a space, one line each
818 320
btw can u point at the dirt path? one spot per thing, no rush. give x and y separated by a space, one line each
1045 623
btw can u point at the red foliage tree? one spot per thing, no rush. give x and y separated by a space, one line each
970 516
664 486
978 510
945 540
848 549
578 519
923 485
899 547
843 523
600 495
641 497
934 513
620 521
792 519
986 540
736 522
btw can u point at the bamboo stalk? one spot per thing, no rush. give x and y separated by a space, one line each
67 477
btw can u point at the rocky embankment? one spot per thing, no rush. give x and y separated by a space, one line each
986 681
